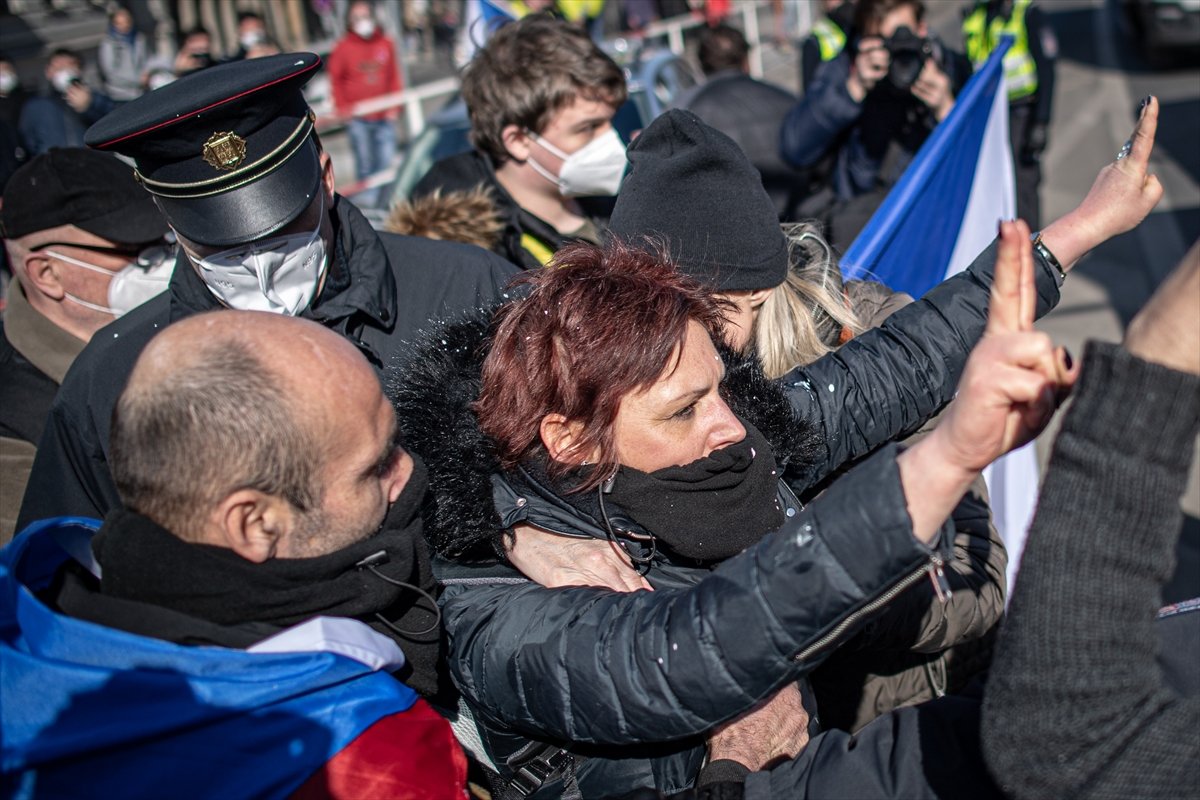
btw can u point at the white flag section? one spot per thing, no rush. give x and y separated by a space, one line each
946 208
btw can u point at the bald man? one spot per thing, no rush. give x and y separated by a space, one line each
267 509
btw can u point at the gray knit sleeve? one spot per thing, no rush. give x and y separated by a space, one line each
1075 705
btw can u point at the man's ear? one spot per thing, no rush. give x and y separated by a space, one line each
558 434
253 524
327 177
41 274
516 142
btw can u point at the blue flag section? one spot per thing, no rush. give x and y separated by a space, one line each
910 243
87 710
495 13
938 218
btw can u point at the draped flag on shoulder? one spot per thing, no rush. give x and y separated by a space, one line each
940 215
94 711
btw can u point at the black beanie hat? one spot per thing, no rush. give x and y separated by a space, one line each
692 186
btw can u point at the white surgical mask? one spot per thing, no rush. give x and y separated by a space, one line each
130 286
365 28
63 79
279 274
248 40
8 81
596 169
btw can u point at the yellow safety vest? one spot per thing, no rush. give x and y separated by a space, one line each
578 11
1020 71
830 38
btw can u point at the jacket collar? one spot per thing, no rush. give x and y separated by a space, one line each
45 345
472 501
360 287
471 169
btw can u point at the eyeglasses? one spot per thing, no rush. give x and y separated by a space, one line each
147 256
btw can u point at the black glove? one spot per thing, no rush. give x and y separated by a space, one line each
1035 143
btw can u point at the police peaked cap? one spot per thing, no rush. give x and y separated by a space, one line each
227 152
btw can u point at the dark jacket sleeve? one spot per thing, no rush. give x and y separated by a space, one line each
70 472
887 382
922 752
825 111
810 62
70 475
671 664
1076 704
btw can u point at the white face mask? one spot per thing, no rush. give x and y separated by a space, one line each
594 170
248 40
63 79
278 275
130 286
8 81
365 28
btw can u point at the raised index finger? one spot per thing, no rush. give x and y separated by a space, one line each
1144 133
1004 308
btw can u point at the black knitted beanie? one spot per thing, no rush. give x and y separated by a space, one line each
692 187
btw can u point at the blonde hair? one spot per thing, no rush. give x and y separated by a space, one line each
804 317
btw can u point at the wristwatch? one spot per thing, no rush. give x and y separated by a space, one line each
1040 248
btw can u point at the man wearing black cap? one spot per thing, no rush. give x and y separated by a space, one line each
86 245
230 157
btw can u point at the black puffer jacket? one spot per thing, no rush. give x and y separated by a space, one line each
599 672
886 383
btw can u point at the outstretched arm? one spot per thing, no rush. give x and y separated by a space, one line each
1076 704
886 382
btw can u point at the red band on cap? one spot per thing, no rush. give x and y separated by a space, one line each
314 65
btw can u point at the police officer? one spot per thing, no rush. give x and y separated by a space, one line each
230 157
1029 73
827 39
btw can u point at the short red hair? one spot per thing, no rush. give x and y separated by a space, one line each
598 324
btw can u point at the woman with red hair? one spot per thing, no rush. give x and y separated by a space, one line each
605 411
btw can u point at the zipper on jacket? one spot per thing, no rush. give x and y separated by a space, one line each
934 567
937 576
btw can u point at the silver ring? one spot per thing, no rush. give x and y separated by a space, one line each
1125 149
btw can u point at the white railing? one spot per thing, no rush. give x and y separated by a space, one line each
409 99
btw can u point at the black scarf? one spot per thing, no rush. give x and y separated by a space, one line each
144 563
711 509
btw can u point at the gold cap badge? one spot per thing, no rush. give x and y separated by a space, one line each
224 150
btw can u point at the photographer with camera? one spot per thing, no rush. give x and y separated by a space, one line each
66 106
868 111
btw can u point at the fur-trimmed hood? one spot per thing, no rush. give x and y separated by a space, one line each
433 395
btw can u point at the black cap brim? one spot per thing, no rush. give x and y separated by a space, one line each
249 212
134 223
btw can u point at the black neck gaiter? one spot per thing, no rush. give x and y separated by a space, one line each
711 509
145 563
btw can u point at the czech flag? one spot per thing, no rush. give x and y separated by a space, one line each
946 208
